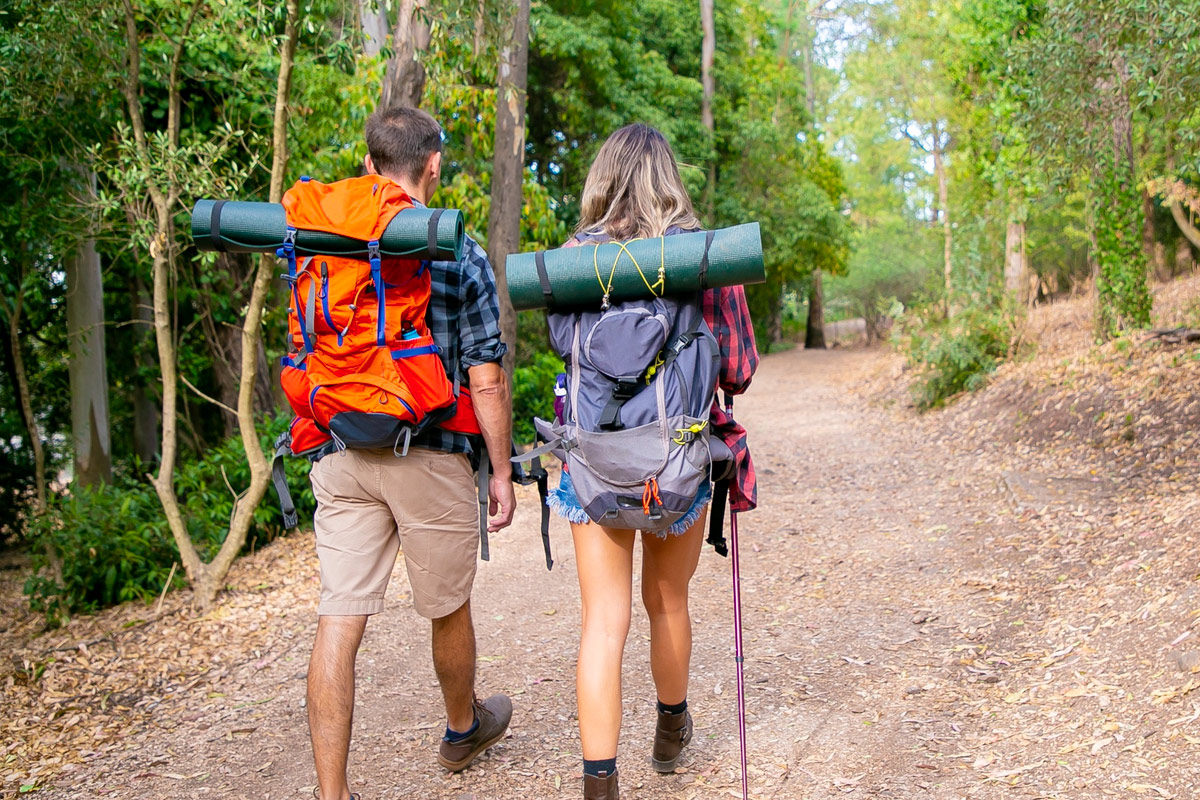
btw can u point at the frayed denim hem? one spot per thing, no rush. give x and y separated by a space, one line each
687 520
565 503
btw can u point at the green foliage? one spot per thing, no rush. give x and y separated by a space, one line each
1121 279
533 393
882 274
602 64
957 356
114 544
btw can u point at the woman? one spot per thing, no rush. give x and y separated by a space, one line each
633 190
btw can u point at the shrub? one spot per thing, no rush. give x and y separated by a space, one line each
533 393
877 290
114 544
958 355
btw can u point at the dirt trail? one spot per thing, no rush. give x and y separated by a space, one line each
888 609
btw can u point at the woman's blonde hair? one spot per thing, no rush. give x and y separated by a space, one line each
633 189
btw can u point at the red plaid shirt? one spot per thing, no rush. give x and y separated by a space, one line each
726 312
728 317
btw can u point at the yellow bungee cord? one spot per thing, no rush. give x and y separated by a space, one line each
656 289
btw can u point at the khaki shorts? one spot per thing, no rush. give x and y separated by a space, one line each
371 504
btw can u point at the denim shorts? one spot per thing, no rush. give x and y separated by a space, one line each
565 503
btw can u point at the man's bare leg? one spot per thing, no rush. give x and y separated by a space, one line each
331 700
454 662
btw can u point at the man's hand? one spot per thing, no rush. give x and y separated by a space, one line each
502 502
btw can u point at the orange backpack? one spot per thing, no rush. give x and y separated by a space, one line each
363 370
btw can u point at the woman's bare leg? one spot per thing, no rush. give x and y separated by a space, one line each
604 560
667 569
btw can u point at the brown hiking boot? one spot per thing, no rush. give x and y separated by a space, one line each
493 715
600 788
671 735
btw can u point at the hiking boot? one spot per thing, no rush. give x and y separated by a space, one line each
671 735
603 787
493 716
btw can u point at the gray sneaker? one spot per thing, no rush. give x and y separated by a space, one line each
493 715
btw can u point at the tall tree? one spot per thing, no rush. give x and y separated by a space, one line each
213 575
1016 260
814 325
157 164
373 19
404 82
508 162
88 364
12 303
708 47
164 187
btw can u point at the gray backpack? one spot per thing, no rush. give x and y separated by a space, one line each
634 435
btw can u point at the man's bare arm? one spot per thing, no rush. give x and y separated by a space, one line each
492 398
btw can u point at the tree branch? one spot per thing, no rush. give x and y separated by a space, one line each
172 75
173 97
133 62
1185 226
203 396
904 132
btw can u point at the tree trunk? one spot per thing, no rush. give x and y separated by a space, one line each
25 398
1182 218
145 410
939 167
1185 225
810 89
1094 260
372 16
213 576
708 46
1184 261
1016 262
480 29
1154 255
88 367
88 370
508 165
814 333
404 81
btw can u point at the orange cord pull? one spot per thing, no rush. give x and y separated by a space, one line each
650 496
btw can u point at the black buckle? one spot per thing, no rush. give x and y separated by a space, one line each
625 390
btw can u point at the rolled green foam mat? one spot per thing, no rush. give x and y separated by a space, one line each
734 257
245 227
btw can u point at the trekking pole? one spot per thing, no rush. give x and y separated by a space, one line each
737 623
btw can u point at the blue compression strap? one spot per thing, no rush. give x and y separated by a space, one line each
416 351
289 252
325 301
380 289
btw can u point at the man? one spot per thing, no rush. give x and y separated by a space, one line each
370 503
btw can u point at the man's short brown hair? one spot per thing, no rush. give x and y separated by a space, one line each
401 140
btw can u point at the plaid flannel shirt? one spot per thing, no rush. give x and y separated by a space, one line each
728 317
464 319
726 312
